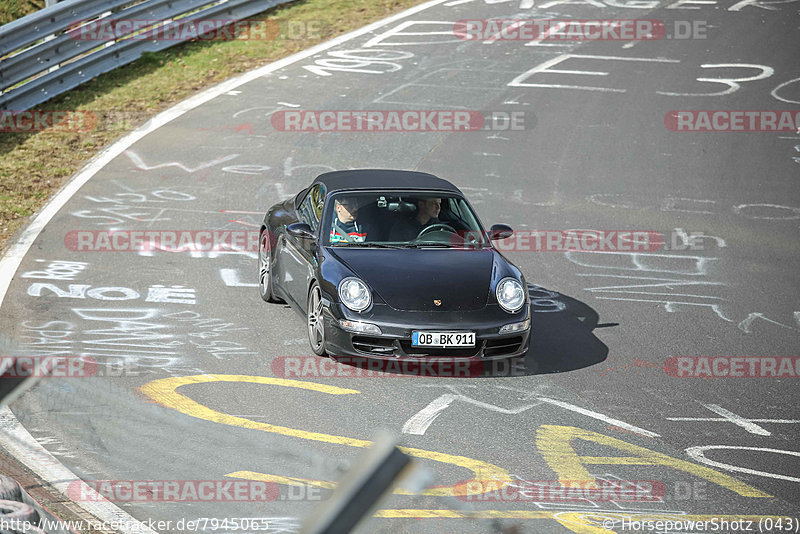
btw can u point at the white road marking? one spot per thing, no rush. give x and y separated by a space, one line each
738 420
245 223
139 162
669 305
600 417
712 419
281 191
697 454
231 278
728 416
418 424
545 67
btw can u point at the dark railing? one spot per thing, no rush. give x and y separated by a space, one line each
47 53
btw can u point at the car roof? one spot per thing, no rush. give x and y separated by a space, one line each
382 179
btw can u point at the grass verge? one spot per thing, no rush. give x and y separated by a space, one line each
16 9
33 166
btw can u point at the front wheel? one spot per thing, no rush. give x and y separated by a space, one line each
264 267
316 321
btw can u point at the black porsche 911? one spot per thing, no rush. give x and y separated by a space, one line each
393 264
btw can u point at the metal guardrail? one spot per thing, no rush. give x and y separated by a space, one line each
42 58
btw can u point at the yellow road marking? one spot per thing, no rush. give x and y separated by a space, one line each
164 392
555 444
297 481
278 479
412 513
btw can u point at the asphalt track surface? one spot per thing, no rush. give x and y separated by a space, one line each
604 325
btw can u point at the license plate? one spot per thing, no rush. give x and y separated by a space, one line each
442 339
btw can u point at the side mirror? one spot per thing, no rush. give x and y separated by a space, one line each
301 230
500 231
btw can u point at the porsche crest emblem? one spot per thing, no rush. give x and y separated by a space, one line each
437 302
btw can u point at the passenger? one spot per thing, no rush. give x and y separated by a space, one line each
345 227
408 229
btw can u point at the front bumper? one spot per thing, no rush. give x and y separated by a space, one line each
394 342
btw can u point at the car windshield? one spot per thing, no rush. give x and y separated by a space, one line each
402 220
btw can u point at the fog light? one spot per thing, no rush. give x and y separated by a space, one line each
359 327
515 327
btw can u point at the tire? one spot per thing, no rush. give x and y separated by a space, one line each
315 320
265 267
19 511
9 489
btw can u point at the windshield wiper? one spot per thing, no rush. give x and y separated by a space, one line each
366 245
428 244
439 244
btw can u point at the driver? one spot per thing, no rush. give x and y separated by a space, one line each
345 227
409 228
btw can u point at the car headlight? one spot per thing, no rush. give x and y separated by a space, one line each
510 294
355 294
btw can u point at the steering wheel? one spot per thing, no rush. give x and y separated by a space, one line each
437 226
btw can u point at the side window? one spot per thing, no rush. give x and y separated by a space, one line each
449 212
449 208
310 210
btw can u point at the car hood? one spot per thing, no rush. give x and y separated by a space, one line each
412 279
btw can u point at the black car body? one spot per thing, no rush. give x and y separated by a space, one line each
444 282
